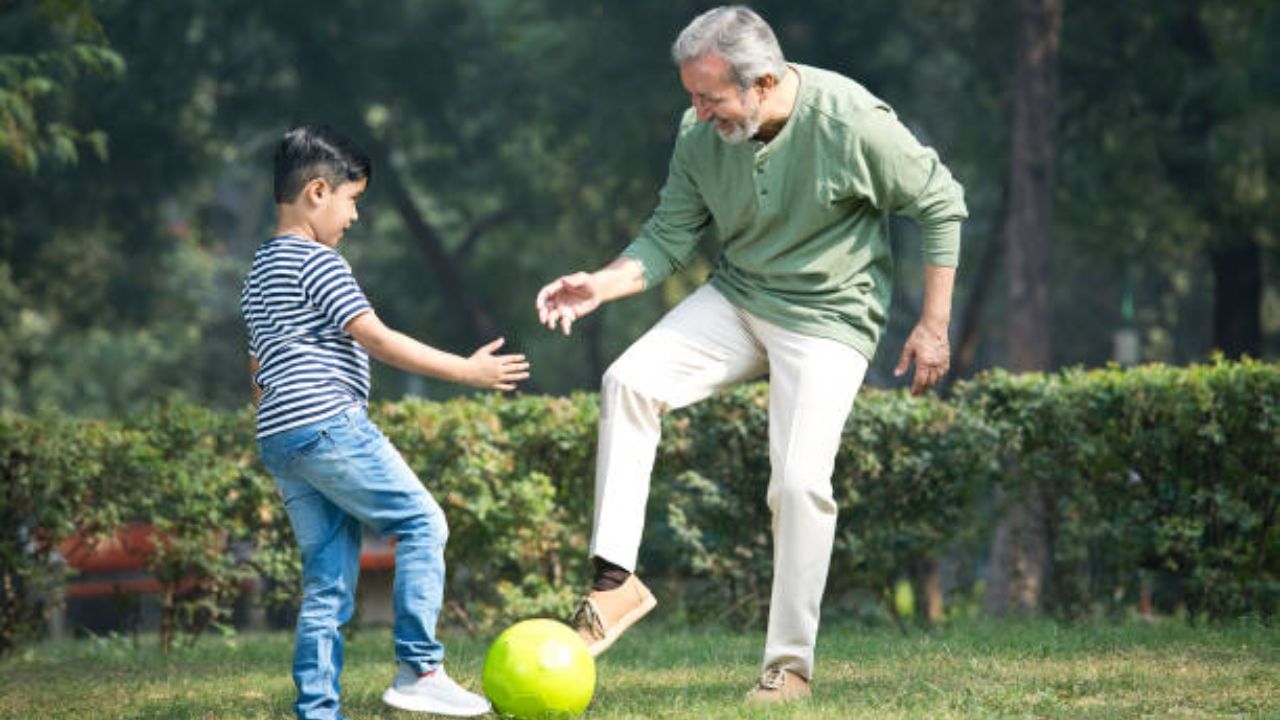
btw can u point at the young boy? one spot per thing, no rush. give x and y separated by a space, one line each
311 331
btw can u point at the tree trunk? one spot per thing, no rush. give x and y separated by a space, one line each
928 583
1236 258
1018 567
970 333
1019 553
1237 298
1027 225
476 323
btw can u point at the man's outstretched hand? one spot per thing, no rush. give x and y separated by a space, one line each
929 349
566 299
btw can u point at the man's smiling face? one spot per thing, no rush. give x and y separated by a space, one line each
718 99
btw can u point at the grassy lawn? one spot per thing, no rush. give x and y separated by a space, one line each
971 669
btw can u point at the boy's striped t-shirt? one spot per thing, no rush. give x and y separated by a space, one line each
296 299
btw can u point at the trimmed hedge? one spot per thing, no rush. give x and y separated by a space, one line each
189 472
906 477
1158 476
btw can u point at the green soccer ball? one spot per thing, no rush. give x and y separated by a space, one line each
539 670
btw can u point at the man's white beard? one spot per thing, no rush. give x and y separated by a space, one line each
740 132
743 131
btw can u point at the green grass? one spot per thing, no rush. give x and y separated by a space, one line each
972 669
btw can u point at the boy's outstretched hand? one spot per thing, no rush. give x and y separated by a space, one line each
496 372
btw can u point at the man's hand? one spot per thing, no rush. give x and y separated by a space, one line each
928 348
496 372
566 299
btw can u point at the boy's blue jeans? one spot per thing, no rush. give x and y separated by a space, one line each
335 475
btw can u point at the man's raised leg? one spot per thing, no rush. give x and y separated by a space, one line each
699 347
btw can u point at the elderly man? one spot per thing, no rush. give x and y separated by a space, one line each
796 170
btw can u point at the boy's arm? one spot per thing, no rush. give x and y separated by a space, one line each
253 380
482 369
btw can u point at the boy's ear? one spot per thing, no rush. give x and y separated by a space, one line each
316 190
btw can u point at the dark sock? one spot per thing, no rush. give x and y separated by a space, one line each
608 575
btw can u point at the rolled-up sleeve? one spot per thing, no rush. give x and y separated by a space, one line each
898 175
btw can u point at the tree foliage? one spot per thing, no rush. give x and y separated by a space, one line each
516 141
52 48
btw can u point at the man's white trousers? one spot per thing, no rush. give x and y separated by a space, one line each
703 345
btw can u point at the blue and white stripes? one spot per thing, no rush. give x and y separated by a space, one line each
296 300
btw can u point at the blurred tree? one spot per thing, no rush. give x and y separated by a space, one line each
519 140
1168 154
50 45
1019 553
1217 156
115 285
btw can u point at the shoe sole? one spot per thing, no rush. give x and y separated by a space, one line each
755 698
400 701
623 624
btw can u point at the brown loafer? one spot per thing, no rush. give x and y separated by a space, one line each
603 615
777 685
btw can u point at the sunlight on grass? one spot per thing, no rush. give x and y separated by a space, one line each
978 669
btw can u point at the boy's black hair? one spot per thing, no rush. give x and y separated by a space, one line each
307 152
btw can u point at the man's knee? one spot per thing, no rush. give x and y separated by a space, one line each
626 379
801 486
621 376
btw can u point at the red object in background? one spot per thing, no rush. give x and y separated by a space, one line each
378 554
128 550
125 552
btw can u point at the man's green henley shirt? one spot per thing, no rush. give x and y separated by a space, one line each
802 219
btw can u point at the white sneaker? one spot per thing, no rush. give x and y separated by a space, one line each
434 692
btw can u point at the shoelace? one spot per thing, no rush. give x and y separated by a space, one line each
773 678
588 616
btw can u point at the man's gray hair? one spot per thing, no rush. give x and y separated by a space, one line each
737 34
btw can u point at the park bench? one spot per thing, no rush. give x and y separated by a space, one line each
116 566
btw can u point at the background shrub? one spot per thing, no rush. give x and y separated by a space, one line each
1157 484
